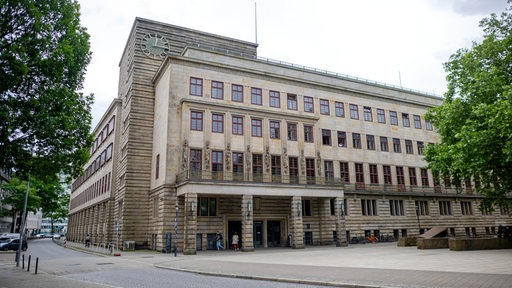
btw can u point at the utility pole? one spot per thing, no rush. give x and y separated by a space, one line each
23 220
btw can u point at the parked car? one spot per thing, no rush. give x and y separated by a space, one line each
12 244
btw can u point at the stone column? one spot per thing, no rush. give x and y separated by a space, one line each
247 223
190 227
341 239
296 226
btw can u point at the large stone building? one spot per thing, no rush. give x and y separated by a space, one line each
205 136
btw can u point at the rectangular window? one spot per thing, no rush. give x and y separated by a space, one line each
207 206
367 111
195 162
238 166
408 147
310 170
465 207
356 140
412 176
328 170
217 164
421 208
354 113
217 123
374 175
339 109
275 131
292 131
368 207
196 86
326 137
324 107
308 133
293 163
256 129
196 121
275 99
157 166
308 104
257 167
238 125
370 142
387 175
381 116
445 208
217 90
393 118
306 208
237 93
256 96
359 173
424 177
396 207
420 148
384 144
417 121
344 173
276 168
292 102
428 125
400 178
397 148
405 120
342 139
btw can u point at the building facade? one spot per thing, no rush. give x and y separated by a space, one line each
206 137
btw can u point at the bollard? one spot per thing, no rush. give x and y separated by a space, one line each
65 243
37 263
23 261
28 265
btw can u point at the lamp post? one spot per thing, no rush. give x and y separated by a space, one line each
23 220
418 217
176 230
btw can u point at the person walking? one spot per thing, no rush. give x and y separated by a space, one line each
219 239
234 241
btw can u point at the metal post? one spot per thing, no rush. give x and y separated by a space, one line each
418 217
23 220
28 265
176 230
37 264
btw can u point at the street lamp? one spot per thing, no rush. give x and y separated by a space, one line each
23 223
176 230
418 217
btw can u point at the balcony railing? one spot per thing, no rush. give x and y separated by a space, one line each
227 176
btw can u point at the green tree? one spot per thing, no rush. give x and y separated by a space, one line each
475 120
44 51
54 201
15 192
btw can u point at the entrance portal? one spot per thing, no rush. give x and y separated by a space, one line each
258 233
274 233
234 226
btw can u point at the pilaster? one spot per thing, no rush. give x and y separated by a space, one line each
190 227
247 223
341 239
296 224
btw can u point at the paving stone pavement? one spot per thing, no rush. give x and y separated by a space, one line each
370 265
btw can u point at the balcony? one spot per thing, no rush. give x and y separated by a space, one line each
403 189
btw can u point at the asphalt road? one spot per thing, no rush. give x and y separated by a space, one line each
122 272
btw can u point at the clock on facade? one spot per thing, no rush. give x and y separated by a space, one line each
154 46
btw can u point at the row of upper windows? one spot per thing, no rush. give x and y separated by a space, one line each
237 128
98 188
237 95
103 134
103 158
369 207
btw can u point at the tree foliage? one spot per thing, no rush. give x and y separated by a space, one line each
475 120
14 192
44 52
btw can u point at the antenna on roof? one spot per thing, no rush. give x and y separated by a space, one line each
255 24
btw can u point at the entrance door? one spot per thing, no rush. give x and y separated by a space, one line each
274 233
234 226
258 233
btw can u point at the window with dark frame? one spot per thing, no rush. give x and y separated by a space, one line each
326 137
217 123
381 116
369 207
237 93
256 128
324 107
354 113
308 104
292 101
466 208
408 147
420 147
217 90
393 118
292 131
207 206
237 125
329 170
417 121
405 120
306 207
400 177
339 109
195 162
342 139
412 177
256 97
344 172
257 167
424 177
310 170
308 134
384 144
396 207
367 112
275 99
370 142
275 131
196 86
275 168
238 166
387 175
293 164
217 164
422 207
374 175
359 173
428 125
356 140
445 208
157 166
196 121
397 148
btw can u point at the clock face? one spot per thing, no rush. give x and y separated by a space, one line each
154 46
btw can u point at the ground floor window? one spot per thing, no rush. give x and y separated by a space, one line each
207 206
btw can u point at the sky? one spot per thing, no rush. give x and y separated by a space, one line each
397 42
